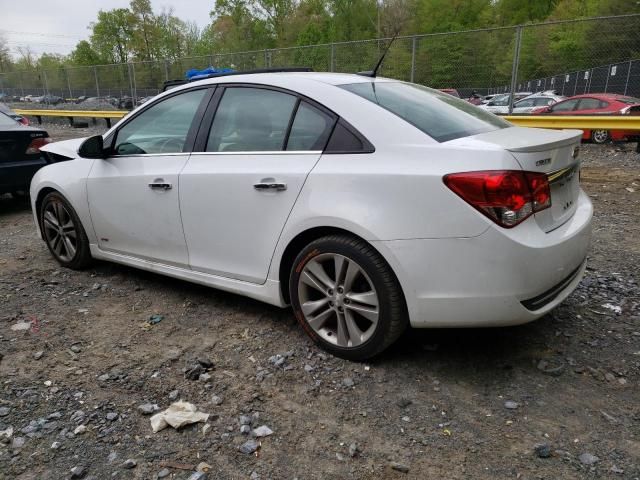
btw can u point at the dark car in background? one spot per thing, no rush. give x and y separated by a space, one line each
18 118
20 155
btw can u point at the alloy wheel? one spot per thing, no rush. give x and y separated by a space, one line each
338 300
600 136
60 232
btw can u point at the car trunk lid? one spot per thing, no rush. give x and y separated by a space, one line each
553 152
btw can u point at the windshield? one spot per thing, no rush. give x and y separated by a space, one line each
437 114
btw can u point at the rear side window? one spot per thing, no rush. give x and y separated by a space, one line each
589 104
437 114
310 130
251 120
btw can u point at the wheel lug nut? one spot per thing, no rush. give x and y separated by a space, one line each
331 304
340 290
347 301
340 309
330 292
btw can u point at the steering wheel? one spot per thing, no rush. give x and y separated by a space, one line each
171 145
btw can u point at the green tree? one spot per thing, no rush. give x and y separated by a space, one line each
113 33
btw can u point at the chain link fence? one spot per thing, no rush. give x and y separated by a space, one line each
572 57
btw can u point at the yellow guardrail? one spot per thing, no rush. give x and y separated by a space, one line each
602 122
71 114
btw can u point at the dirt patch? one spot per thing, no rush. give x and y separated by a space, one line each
442 404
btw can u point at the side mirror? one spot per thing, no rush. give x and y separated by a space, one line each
92 147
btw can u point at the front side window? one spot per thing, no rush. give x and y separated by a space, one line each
162 128
565 106
437 114
251 120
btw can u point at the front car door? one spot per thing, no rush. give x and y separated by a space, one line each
133 194
237 193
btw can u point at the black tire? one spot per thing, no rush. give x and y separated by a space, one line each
391 308
600 136
81 258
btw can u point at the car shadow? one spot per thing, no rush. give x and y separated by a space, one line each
10 205
448 350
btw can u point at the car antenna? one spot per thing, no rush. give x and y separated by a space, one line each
373 73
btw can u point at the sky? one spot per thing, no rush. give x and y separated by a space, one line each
55 26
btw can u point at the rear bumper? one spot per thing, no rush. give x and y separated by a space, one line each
501 277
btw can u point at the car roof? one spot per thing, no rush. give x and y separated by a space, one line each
609 96
323 77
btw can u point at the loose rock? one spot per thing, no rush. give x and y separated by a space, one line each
588 459
129 463
542 450
400 467
249 446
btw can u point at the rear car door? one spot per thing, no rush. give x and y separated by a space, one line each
589 105
237 192
133 194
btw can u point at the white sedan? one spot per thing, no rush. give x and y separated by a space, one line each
369 205
525 105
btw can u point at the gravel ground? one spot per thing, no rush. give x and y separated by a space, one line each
554 399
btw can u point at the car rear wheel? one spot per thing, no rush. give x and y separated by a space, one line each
346 297
63 232
599 136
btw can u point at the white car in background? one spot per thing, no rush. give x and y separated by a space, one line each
524 105
368 204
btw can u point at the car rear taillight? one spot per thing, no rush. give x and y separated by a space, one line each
507 197
36 144
24 121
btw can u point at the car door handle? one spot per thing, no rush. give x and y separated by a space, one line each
278 187
160 186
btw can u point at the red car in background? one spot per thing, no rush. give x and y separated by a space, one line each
598 104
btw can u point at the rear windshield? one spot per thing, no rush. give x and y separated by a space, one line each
437 114
6 121
629 100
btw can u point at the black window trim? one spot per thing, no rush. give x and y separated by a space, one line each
189 144
206 123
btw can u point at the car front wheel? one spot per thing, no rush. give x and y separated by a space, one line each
63 232
346 297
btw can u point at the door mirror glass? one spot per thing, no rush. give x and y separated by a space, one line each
92 147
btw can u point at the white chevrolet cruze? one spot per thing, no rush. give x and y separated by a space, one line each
368 204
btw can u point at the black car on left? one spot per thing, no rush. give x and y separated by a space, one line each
20 155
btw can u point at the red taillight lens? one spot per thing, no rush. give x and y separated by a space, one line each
507 197
36 144
24 121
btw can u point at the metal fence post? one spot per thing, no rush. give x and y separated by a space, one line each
166 70
266 58
95 74
130 81
414 41
514 68
45 83
626 85
332 66
66 74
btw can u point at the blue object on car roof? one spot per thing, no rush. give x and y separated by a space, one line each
195 74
